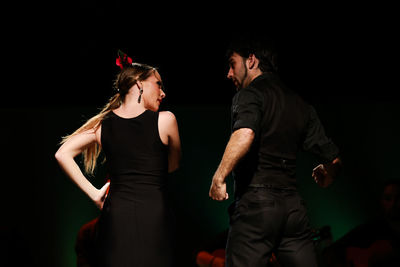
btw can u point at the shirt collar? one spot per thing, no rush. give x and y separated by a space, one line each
262 76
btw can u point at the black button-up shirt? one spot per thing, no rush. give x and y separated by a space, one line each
283 124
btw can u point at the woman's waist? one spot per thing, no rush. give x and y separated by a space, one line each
138 190
137 181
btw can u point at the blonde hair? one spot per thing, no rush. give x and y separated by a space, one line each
127 78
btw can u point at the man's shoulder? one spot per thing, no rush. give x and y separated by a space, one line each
247 95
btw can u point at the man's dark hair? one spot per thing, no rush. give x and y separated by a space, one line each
262 47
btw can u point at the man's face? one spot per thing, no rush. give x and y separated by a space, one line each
237 70
391 202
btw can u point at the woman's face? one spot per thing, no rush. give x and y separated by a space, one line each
153 93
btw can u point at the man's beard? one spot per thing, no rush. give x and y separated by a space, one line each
240 84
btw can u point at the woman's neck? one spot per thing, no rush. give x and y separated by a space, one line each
130 108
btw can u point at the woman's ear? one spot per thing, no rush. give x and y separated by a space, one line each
139 85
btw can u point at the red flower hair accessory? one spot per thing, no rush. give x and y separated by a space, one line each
123 60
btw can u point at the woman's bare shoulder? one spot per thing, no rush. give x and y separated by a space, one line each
167 116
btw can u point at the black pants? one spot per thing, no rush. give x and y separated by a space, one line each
266 220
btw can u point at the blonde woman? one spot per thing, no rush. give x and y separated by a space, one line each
141 146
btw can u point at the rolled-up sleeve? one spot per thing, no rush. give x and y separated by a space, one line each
247 110
316 141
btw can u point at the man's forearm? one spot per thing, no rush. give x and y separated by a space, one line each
239 144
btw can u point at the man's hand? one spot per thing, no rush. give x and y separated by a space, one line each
218 190
321 176
325 174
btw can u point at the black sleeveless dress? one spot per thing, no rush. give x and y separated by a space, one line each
136 223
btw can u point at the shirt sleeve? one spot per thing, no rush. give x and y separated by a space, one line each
247 110
316 141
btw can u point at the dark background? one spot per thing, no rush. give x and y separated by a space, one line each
58 70
64 53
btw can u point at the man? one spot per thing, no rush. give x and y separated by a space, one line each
270 124
375 242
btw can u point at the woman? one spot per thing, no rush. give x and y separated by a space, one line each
141 146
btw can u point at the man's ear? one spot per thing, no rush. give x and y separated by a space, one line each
252 61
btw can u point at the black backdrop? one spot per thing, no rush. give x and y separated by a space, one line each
59 63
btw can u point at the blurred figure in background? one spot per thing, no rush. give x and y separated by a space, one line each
375 242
